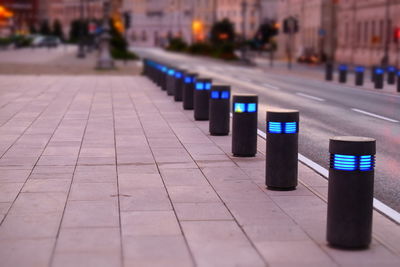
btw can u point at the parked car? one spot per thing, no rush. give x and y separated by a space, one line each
46 41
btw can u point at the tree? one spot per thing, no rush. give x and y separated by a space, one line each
57 29
75 30
222 32
118 44
32 29
44 28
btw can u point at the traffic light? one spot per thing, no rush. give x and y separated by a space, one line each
127 20
396 35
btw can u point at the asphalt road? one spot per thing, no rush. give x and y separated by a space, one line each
326 110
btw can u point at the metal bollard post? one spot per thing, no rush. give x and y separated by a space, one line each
171 81
201 99
219 109
329 71
373 68
378 78
342 73
359 72
244 125
398 81
282 149
146 67
188 88
163 78
391 72
350 191
179 76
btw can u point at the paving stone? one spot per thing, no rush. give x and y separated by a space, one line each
144 199
192 194
33 203
93 191
181 177
9 191
87 259
202 211
46 185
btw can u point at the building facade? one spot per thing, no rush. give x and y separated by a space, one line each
366 32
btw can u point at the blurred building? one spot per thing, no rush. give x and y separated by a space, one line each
316 27
24 13
366 31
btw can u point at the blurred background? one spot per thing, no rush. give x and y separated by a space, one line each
312 31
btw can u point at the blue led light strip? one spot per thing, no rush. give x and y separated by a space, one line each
282 127
352 163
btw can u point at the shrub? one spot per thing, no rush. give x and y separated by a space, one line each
177 45
200 49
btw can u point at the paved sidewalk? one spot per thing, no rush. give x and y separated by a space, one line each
109 171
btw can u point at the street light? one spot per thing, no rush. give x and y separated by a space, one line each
105 60
81 49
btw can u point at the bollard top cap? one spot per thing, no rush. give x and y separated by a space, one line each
192 74
245 98
220 87
283 115
204 80
352 145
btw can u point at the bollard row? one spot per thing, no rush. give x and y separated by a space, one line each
352 159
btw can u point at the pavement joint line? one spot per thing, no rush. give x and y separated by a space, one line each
271 86
377 204
374 115
310 97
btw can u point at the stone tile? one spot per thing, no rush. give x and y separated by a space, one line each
28 226
93 191
9 191
26 252
149 223
202 211
192 194
127 182
96 160
95 174
137 168
87 259
13 175
52 172
33 203
142 199
91 214
220 243
46 185
156 251
57 160
181 177
78 240
239 190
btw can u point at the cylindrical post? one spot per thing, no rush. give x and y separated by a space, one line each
378 78
187 92
342 73
244 125
329 71
373 68
391 75
220 96
179 76
359 72
171 81
350 191
163 79
398 81
282 149
201 99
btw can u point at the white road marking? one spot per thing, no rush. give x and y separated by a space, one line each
374 115
271 86
378 205
245 79
311 97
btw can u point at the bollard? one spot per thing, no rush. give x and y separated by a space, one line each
244 125
373 68
163 79
378 78
282 149
350 191
359 73
171 81
329 71
342 73
188 88
391 75
179 76
398 81
219 108
201 98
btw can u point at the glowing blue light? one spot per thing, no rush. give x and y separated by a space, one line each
352 163
164 69
379 71
188 80
391 69
207 86
359 69
274 127
225 94
290 127
342 67
178 75
239 107
199 86
251 107
171 72
214 94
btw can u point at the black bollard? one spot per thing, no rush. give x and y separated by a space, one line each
342 73
398 81
179 76
201 99
244 125
329 71
188 88
373 68
359 73
350 191
219 109
282 149
171 81
378 78
163 79
391 75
